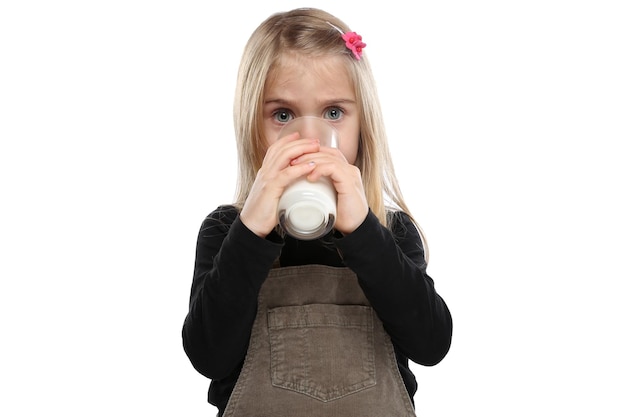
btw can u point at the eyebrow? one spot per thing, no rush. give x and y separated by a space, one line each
288 103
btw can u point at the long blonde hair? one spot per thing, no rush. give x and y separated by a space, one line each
312 32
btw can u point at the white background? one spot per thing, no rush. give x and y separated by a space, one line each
507 124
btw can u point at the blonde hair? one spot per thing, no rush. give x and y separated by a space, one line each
312 32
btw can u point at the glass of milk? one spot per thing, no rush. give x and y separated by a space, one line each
307 209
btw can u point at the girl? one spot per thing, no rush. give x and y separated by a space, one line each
285 327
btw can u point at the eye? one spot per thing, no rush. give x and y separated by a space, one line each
282 115
333 113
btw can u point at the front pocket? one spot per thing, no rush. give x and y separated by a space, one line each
325 351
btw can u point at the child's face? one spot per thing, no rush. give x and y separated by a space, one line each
321 87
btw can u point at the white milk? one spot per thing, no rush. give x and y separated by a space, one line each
307 210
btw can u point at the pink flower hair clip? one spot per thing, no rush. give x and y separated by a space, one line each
354 42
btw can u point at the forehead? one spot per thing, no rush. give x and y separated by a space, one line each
293 71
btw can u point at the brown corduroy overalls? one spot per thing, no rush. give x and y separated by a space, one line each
318 349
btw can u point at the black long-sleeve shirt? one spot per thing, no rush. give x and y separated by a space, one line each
232 264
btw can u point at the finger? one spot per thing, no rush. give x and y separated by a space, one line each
293 150
294 172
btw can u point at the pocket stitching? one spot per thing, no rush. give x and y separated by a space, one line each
292 318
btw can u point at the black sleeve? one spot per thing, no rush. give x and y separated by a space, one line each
231 265
391 269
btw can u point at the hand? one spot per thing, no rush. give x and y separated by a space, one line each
259 213
352 206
